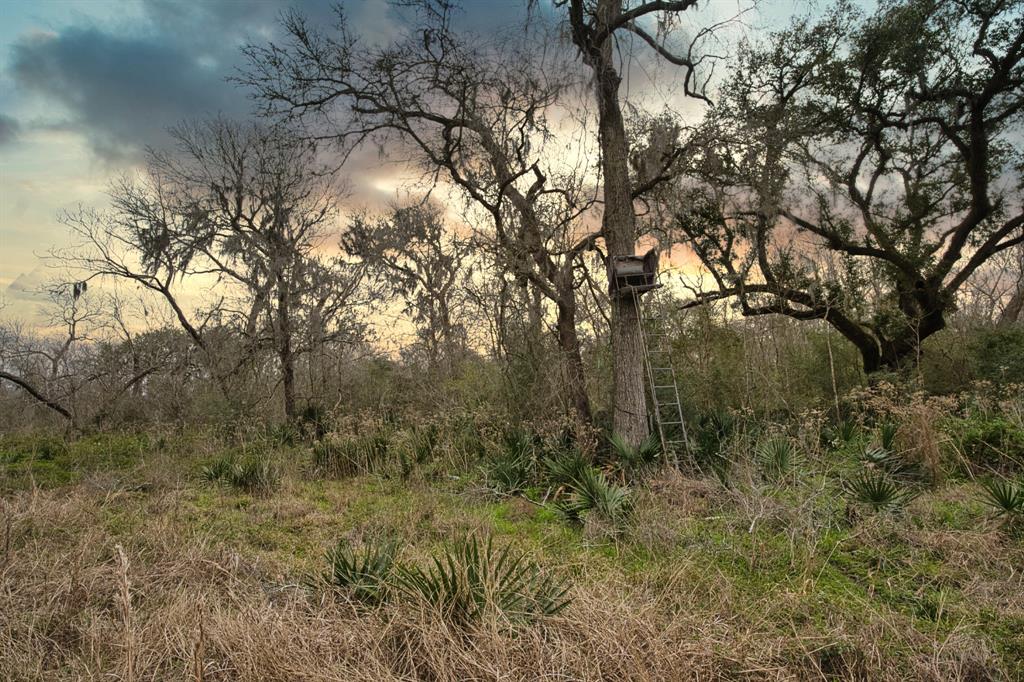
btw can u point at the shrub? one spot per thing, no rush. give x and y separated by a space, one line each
890 462
712 432
218 470
989 442
366 575
282 434
25 448
466 439
509 469
314 421
713 429
565 466
424 442
592 493
341 457
842 434
327 458
996 355
254 474
887 435
472 579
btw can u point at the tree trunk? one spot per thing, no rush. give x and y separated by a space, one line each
891 354
284 350
619 227
572 361
1014 308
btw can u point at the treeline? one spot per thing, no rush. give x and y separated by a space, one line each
848 204
768 367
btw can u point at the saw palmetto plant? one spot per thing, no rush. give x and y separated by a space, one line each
473 578
1005 497
364 573
878 490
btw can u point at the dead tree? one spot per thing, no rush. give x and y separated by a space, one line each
475 117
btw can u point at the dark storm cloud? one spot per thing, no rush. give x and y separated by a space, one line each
120 92
9 129
230 21
123 90
123 87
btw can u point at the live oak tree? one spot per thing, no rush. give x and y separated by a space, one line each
860 169
595 27
417 256
476 117
247 207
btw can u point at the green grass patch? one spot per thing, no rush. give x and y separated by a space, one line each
49 462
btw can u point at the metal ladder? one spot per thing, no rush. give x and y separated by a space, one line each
664 391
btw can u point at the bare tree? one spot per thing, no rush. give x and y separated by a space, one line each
476 117
65 367
861 170
245 206
994 295
1011 267
42 366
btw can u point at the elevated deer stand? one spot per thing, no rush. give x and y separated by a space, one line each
632 276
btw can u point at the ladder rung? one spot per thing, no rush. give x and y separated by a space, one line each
658 351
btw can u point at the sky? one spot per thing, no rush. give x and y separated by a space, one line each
86 85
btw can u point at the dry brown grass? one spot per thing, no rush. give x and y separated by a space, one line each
104 583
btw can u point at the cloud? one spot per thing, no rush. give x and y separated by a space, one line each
9 129
121 92
123 85
27 285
